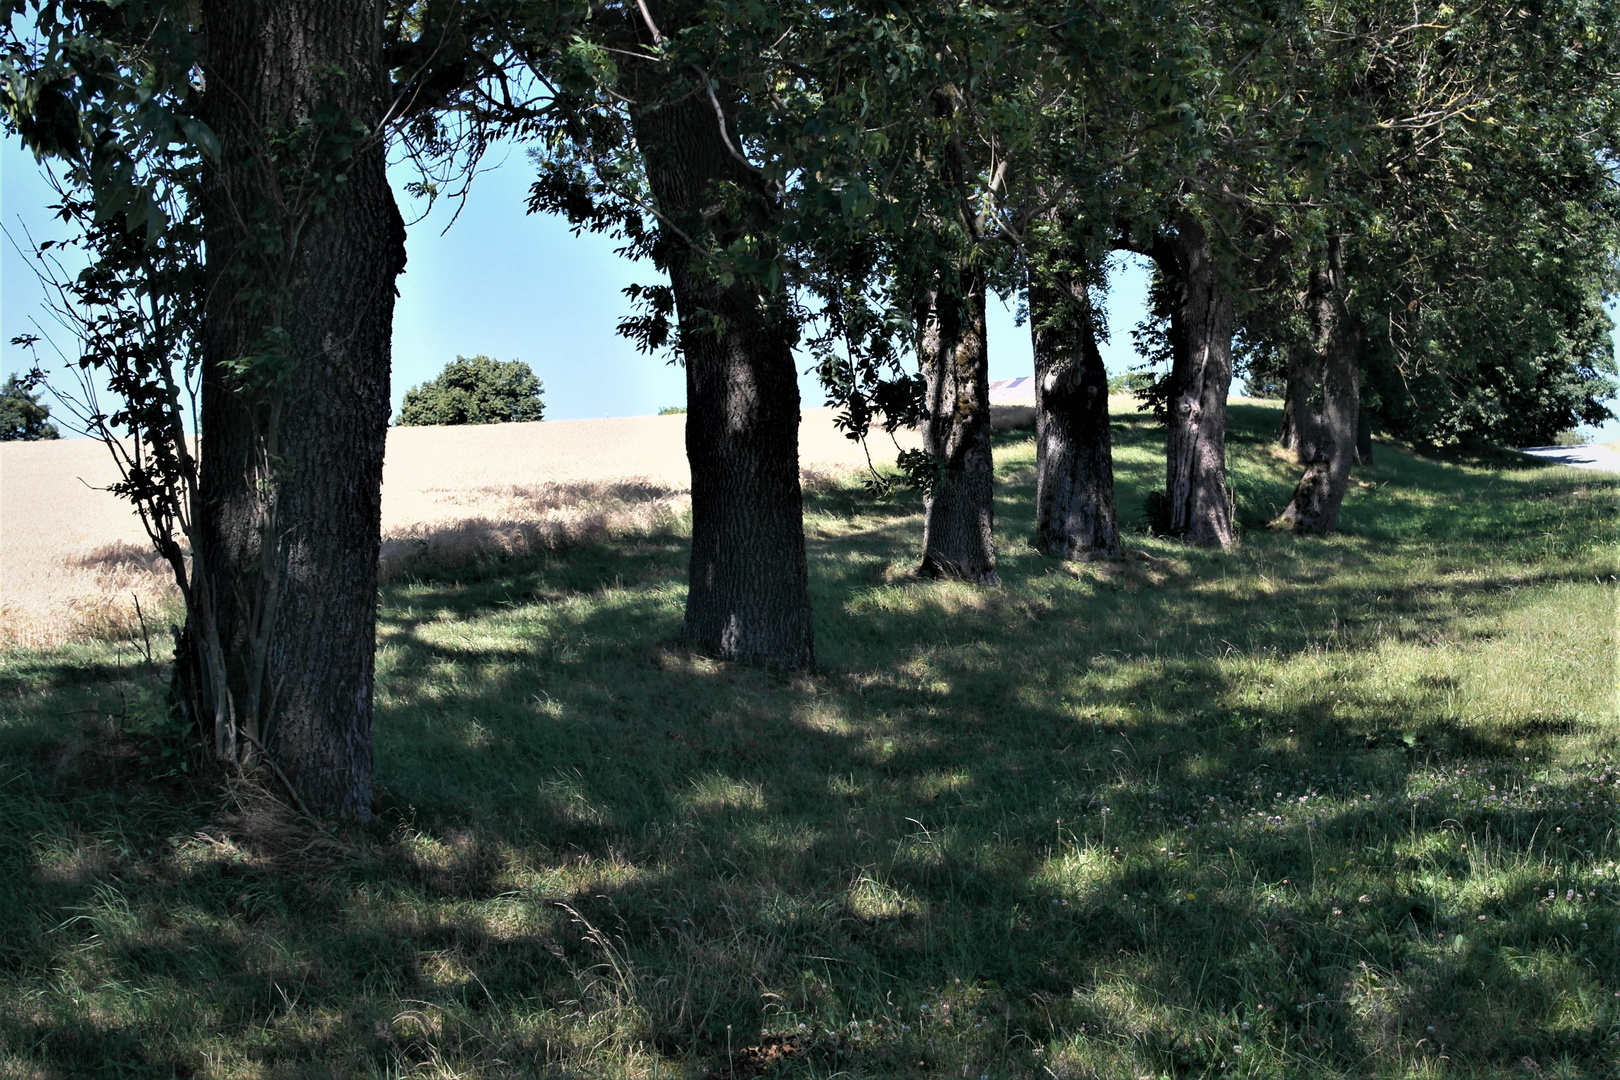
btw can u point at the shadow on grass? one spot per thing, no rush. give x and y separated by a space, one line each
1178 815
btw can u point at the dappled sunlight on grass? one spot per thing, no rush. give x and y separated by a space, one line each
1311 808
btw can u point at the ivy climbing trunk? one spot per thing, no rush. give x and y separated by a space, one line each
1320 492
303 244
1199 510
1074 457
748 594
959 510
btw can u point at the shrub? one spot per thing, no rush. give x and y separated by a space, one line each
22 414
475 390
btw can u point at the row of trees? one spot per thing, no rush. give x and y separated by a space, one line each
1408 207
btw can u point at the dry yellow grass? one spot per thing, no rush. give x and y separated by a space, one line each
74 560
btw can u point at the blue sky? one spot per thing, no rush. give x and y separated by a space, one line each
511 285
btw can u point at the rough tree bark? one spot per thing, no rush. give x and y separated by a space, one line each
1303 385
1074 458
748 596
1320 492
301 268
1200 510
1302 419
959 511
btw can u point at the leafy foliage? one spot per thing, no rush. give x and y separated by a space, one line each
475 390
1469 176
106 94
22 415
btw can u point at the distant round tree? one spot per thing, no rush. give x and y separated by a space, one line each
22 414
475 390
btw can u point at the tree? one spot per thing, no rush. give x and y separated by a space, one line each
22 415
475 390
959 511
649 141
1074 461
1457 243
1326 437
1199 506
1123 146
903 241
303 244
1063 236
748 589
225 165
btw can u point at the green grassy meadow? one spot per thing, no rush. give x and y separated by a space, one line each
1311 808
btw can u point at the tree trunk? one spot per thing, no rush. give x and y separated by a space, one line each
959 511
1074 458
1302 407
748 596
1364 434
303 245
1301 424
1315 505
1199 509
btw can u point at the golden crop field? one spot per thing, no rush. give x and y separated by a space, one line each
74 559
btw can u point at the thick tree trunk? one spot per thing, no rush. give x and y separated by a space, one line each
1315 505
303 245
1301 423
1200 510
1074 457
959 511
748 597
1302 407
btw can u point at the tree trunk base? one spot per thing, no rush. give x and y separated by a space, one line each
1068 551
787 652
1311 511
934 568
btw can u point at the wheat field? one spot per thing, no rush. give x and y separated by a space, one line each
75 561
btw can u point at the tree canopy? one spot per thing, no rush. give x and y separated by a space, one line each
23 416
475 390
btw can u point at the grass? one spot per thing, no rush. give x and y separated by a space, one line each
1312 808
